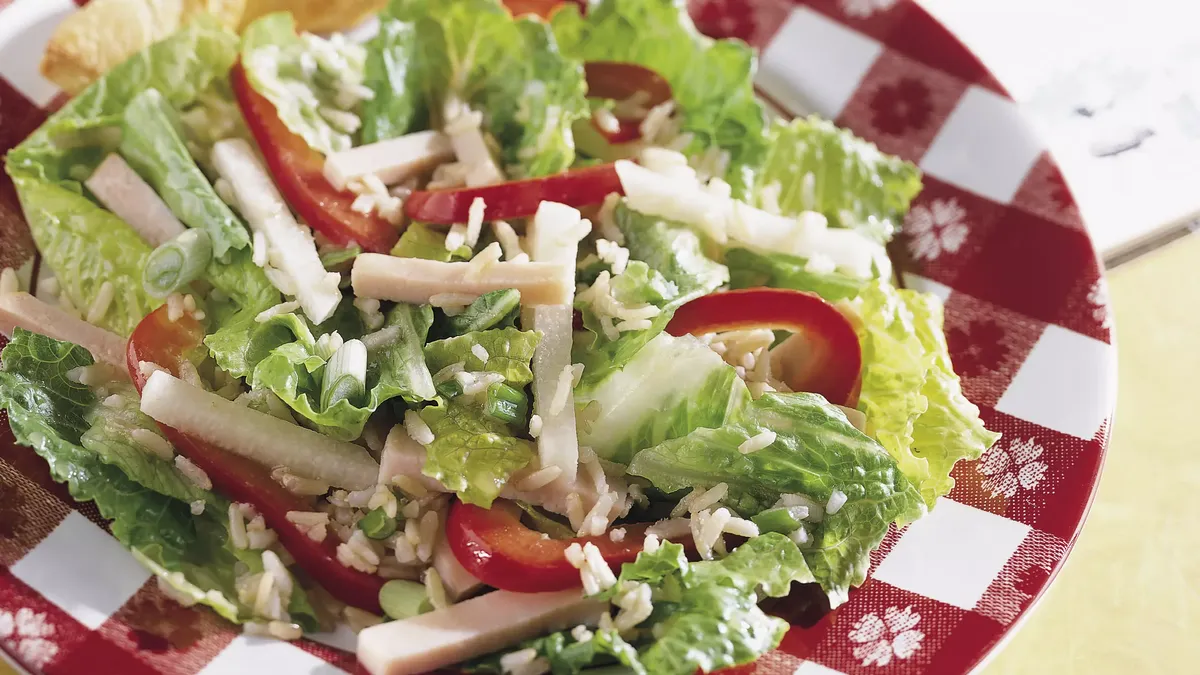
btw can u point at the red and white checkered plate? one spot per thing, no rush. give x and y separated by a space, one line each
995 233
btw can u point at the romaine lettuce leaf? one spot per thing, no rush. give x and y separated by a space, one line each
394 71
816 451
395 368
910 393
109 435
241 342
67 148
87 246
422 241
671 387
752 269
495 309
568 656
673 250
509 353
472 454
84 244
49 413
152 144
303 76
822 168
712 81
509 69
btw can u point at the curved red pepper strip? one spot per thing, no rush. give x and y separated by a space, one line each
515 199
499 550
166 343
298 170
619 81
832 364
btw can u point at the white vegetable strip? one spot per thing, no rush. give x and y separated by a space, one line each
25 311
121 190
393 160
469 629
414 280
257 436
723 219
557 441
458 582
293 250
551 235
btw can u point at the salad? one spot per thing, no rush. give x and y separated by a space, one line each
519 345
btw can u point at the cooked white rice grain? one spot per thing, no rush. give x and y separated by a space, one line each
411 486
192 472
434 589
539 479
237 527
709 497
429 527
535 426
197 507
740 527
153 443
837 499
475 220
101 302
416 427
272 312
757 442
562 391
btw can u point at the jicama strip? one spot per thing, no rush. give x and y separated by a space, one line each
263 438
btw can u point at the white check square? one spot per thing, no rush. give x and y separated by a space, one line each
985 146
83 570
266 655
919 283
815 64
1059 387
953 554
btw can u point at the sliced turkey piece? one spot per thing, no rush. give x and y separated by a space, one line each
121 190
22 310
263 438
458 582
414 280
393 161
470 629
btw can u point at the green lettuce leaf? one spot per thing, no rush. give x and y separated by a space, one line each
496 309
852 183
181 67
509 69
752 269
84 244
394 71
509 353
816 451
910 393
711 80
49 413
303 76
472 454
673 250
568 656
242 342
109 435
422 241
670 387
87 246
395 368
152 144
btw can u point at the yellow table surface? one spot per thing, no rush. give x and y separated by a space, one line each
1128 599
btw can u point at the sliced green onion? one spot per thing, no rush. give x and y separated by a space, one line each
506 403
450 388
784 520
345 374
377 524
177 263
543 522
338 257
403 599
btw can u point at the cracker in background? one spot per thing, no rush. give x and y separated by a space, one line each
104 33
317 16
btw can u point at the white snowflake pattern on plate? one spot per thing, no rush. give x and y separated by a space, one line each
1098 299
878 640
865 8
1009 470
27 633
936 228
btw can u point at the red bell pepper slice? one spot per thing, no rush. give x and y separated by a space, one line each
298 170
832 363
515 199
619 81
166 343
542 8
495 546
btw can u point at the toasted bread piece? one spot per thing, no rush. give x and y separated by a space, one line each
317 16
106 32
